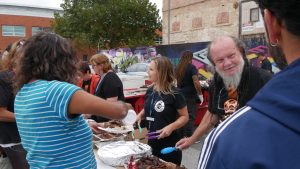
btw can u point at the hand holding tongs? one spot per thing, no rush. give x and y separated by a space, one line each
153 135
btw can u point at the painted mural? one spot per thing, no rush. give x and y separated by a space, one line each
124 57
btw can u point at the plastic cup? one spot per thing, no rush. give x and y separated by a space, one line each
130 117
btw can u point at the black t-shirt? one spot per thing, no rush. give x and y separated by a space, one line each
187 84
163 109
253 79
86 85
110 86
8 130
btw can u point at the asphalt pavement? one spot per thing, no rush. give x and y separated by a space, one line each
191 155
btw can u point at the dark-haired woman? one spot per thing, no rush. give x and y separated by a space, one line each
189 84
88 81
48 106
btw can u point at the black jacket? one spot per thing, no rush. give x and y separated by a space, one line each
253 79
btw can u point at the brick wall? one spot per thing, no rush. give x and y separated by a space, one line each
27 21
199 20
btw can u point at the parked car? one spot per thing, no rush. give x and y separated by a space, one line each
134 76
137 69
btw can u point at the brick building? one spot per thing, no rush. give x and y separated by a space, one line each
252 29
191 21
18 21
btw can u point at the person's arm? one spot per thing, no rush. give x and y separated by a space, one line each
197 84
140 116
180 122
209 121
198 88
114 99
6 116
84 103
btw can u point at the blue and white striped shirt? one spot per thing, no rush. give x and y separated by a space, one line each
50 137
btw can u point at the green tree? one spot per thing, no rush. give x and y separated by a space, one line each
108 23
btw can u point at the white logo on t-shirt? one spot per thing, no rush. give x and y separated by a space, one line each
159 106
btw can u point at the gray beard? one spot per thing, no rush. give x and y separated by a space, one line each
234 80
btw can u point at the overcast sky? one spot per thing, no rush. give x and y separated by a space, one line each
56 3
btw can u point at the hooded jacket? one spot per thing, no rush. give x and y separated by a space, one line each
263 135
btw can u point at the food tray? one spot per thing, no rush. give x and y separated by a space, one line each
118 130
119 153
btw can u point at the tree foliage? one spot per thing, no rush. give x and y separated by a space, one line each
108 23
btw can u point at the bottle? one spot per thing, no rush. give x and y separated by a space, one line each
131 163
134 166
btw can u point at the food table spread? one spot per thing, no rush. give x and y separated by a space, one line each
117 153
114 150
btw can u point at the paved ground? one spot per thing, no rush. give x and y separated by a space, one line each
191 155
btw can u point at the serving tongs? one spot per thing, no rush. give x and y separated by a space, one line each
152 135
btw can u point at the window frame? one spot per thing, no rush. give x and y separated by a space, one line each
254 14
41 29
13 31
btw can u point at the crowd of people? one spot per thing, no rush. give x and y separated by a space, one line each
51 102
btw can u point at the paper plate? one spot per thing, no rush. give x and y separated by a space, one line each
118 130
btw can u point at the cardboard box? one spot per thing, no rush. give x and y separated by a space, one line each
137 136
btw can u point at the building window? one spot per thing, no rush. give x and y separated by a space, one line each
158 40
176 26
197 22
222 18
254 14
8 30
36 29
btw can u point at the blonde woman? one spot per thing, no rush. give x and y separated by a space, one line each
110 87
165 109
11 151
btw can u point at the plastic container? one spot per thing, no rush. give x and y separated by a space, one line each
130 117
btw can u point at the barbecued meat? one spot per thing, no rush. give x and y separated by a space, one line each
152 162
113 124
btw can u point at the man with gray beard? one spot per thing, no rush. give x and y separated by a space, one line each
234 84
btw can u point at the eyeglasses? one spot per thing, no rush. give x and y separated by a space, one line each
94 65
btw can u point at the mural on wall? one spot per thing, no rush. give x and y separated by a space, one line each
124 57
257 44
121 58
253 57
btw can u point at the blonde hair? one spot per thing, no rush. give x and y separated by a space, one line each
166 79
9 61
101 59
